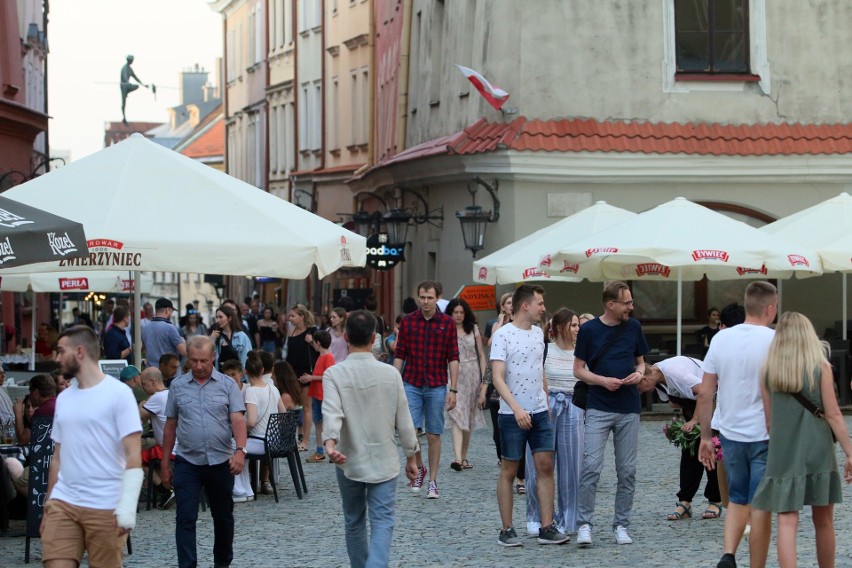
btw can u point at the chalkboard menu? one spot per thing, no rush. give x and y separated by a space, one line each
41 452
112 367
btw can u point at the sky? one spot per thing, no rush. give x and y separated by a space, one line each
89 40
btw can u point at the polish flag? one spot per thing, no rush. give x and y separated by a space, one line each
495 96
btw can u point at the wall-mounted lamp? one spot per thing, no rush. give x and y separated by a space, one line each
312 200
474 220
368 222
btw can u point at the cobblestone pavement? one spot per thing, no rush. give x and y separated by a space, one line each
460 529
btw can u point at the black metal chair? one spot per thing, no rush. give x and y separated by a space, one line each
280 442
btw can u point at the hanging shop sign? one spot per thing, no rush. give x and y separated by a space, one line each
383 255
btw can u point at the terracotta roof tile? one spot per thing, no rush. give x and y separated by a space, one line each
209 144
589 135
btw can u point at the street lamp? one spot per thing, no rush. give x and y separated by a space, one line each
474 220
396 221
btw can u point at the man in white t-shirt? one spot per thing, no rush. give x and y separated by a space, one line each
96 469
154 409
517 362
677 380
733 366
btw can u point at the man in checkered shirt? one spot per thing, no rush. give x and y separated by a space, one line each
426 347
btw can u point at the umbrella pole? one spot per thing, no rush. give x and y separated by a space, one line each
780 296
845 333
33 332
137 319
679 307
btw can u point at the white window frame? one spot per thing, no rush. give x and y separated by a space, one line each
316 116
365 105
304 90
758 57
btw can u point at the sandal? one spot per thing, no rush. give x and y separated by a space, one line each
466 465
456 466
303 448
520 489
679 515
713 513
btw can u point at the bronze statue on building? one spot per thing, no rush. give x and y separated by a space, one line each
128 87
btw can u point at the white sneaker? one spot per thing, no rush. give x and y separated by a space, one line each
584 535
621 536
533 528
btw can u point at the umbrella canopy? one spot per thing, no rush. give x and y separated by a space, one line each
825 227
146 207
683 235
107 281
29 235
680 240
522 260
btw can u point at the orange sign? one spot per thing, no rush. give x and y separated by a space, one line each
481 298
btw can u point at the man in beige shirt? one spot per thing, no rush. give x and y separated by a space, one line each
363 406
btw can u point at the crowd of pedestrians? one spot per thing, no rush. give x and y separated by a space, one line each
558 387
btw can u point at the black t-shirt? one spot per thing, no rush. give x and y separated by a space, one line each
618 362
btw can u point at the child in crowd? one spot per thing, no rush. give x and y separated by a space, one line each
234 369
287 384
242 487
321 343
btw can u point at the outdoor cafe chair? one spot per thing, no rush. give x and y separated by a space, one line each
280 442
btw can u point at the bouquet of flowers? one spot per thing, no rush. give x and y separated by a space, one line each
717 445
680 438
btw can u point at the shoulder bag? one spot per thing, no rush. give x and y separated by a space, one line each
581 390
813 409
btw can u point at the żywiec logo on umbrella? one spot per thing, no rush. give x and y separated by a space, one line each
545 261
569 267
653 269
105 252
601 250
797 260
8 219
7 253
345 253
61 245
483 273
73 284
742 270
710 255
534 272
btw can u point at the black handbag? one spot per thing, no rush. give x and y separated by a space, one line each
581 390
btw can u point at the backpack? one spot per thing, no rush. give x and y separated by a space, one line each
226 350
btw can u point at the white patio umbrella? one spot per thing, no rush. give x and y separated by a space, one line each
672 242
521 260
70 282
145 207
823 227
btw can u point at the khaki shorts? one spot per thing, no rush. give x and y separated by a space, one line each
69 530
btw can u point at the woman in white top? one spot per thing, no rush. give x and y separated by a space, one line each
262 400
568 425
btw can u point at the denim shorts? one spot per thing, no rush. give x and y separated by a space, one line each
745 464
316 410
427 403
513 440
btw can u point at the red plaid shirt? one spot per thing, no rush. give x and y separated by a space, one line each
427 346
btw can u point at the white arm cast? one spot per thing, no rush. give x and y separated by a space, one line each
125 513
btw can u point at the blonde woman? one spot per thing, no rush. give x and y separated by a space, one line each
801 468
301 356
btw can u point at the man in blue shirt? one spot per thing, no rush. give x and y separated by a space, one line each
161 336
116 345
613 346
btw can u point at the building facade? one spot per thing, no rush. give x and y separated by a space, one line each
739 105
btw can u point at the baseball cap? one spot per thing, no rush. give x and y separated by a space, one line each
129 372
163 303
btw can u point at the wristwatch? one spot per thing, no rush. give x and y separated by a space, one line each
454 391
243 450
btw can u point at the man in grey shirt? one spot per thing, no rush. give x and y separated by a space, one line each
161 336
205 410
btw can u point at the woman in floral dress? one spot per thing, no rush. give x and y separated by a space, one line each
466 415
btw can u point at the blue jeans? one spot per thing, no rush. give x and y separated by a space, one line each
514 440
625 434
427 402
359 500
745 465
218 483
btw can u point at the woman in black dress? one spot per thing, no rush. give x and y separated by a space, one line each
301 356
